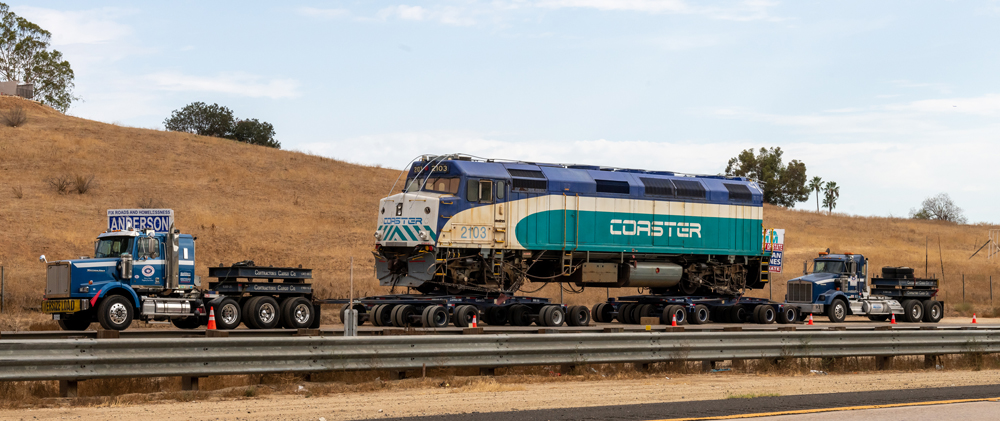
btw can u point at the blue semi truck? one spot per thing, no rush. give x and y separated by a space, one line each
840 285
142 274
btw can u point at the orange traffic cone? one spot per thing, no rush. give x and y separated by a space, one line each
673 320
810 319
474 324
893 319
211 318
973 318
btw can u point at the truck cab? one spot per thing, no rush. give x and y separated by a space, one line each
130 268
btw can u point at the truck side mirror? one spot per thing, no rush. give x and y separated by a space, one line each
126 266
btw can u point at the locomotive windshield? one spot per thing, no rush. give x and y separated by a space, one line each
113 247
829 267
434 184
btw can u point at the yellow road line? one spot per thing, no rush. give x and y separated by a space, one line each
844 408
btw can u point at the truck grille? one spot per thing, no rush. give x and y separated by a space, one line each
800 292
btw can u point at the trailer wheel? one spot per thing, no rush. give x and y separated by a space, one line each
737 314
520 315
496 316
913 311
359 307
837 311
720 314
264 312
933 311
383 315
643 310
674 310
602 313
296 313
551 316
464 314
401 315
228 315
190 322
788 314
701 315
74 323
764 314
624 315
115 313
578 316
434 316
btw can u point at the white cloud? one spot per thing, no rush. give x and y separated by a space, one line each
940 87
94 26
240 84
747 10
448 15
323 13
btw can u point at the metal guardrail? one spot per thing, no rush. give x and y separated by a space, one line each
80 359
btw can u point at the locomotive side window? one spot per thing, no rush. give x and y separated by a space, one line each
472 190
435 184
500 190
485 191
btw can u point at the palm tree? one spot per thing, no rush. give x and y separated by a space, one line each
816 184
832 193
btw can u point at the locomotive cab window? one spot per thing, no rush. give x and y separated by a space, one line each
500 190
472 190
485 191
435 184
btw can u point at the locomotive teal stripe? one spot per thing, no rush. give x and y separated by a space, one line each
640 233
404 233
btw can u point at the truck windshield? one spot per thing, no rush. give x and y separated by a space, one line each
434 184
113 247
829 267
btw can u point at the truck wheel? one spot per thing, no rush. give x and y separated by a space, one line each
764 314
552 316
296 313
700 315
788 315
115 313
578 316
737 314
190 322
933 311
434 316
227 315
837 311
913 311
76 324
463 315
401 315
520 315
247 313
264 312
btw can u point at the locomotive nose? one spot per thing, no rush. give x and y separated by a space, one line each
407 220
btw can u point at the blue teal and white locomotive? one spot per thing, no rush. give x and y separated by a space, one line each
467 224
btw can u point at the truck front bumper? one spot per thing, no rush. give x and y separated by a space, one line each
806 308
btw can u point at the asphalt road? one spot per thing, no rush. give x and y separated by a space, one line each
972 411
729 407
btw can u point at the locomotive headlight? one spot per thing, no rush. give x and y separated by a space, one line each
423 235
378 235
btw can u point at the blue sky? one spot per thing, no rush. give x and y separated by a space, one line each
894 100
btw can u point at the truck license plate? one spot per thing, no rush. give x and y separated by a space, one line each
60 306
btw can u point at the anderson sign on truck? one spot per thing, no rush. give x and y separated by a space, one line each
157 219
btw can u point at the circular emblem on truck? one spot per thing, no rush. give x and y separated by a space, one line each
147 271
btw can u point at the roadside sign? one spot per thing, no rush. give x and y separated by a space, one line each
157 219
774 242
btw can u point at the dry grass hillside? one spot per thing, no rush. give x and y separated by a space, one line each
281 207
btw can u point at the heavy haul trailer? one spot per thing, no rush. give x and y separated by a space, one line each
694 310
148 275
840 286
465 226
439 310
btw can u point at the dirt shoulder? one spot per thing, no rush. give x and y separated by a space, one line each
488 395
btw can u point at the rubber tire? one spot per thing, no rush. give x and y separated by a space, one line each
520 315
578 316
359 307
497 316
879 317
788 315
288 308
598 312
402 315
738 314
765 314
669 311
552 316
889 272
374 316
245 314
74 324
700 315
929 306
644 310
904 272
383 315
720 315
624 315
220 324
435 317
261 303
831 311
190 322
463 315
103 312
913 311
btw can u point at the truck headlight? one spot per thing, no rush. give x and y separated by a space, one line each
85 289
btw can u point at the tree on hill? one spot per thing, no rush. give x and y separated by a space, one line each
816 184
831 192
218 121
783 185
939 208
25 57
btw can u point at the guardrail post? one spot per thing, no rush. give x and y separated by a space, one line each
108 334
930 361
644 367
487 371
397 374
567 368
708 365
213 333
67 388
883 362
189 383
